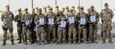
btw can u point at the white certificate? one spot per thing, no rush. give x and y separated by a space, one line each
82 21
51 21
41 21
93 18
63 24
27 22
71 20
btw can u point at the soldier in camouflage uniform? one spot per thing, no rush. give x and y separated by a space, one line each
40 24
32 26
7 18
82 20
19 25
61 22
26 26
106 18
51 25
93 24
72 33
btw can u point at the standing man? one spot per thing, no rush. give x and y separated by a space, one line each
40 30
51 18
82 20
7 19
93 18
19 25
26 26
106 18
32 26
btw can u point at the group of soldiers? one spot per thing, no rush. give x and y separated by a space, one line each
45 25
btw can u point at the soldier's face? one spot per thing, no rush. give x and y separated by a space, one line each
7 8
106 7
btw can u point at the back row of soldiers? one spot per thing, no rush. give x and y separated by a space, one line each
62 26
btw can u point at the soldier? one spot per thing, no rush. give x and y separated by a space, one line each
32 26
56 10
61 22
19 25
73 10
72 33
26 22
82 20
7 18
106 18
51 25
40 24
93 18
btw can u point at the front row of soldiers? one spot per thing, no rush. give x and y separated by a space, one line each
59 26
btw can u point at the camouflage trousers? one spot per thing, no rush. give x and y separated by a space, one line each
61 34
92 32
26 34
19 30
106 31
72 34
10 33
40 33
82 31
51 33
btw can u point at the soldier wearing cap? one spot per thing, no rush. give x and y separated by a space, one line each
51 18
26 22
72 33
93 18
7 19
106 19
82 20
40 22
19 25
61 32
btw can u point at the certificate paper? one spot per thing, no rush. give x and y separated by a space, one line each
63 24
93 18
27 22
51 21
71 20
82 21
41 21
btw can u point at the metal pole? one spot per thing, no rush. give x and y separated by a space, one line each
9 3
101 4
55 2
32 4
78 2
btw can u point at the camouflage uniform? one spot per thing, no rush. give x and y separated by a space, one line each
106 17
51 27
26 27
19 26
72 33
61 29
40 30
33 27
82 27
93 26
7 18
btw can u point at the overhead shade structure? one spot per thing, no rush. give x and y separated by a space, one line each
32 4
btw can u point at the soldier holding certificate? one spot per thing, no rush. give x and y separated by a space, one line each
61 22
93 18
72 29
82 20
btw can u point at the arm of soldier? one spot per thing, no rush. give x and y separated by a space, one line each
57 20
36 20
112 14
78 17
101 16
98 17
15 18
87 16
2 17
